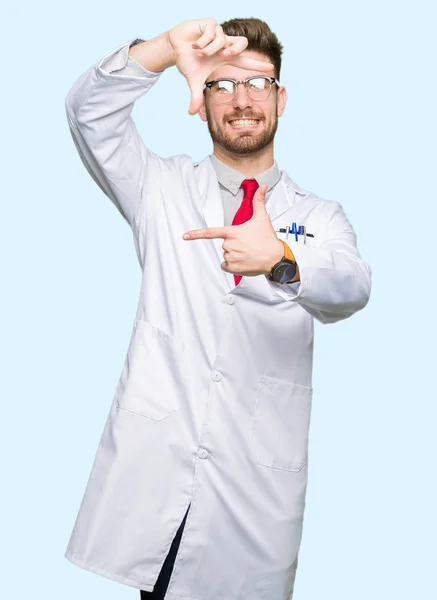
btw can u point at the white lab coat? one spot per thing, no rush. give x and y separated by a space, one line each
214 399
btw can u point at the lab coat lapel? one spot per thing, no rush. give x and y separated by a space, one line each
282 198
211 205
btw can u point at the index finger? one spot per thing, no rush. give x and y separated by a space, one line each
244 62
206 233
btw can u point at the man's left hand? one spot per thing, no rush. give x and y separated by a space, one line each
251 248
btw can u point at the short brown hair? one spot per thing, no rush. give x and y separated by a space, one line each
261 38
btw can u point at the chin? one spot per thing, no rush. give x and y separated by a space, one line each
244 148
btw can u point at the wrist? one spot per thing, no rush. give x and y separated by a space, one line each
284 254
275 259
155 55
278 256
284 251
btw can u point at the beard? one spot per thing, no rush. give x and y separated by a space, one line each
244 142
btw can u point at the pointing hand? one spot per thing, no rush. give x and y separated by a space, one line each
251 248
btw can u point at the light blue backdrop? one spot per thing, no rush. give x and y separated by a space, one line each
359 128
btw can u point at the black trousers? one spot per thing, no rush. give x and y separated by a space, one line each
160 587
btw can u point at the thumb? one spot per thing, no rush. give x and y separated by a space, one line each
259 200
196 89
195 103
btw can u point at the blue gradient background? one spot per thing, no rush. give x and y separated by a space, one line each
359 128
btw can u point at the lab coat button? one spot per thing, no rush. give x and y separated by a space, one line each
202 453
230 299
216 376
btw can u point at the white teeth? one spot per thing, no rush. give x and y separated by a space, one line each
240 122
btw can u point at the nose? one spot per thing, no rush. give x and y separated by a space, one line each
241 98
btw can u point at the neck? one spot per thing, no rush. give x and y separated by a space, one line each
250 165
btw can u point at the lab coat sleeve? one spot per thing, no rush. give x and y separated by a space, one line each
334 280
123 64
98 108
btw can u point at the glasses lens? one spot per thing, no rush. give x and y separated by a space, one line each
259 88
223 90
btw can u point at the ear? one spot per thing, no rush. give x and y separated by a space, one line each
282 100
202 111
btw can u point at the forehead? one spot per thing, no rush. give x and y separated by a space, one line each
233 72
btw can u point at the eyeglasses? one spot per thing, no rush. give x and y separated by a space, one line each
224 90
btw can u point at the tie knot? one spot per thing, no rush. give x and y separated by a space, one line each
249 186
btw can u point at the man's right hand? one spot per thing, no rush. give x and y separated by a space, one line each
206 36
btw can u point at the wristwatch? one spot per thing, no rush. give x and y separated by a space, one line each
286 268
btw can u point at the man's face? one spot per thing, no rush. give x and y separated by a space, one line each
247 138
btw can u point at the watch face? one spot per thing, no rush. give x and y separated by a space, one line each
284 272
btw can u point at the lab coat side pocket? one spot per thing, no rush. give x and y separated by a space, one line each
153 378
280 425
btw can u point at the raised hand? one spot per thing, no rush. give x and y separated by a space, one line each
200 46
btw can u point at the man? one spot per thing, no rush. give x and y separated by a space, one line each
197 491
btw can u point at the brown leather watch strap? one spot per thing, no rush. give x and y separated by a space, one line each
287 251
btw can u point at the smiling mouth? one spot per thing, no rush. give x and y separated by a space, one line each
244 123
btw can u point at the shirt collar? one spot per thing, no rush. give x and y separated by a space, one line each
232 179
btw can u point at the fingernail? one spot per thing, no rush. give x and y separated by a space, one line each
227 52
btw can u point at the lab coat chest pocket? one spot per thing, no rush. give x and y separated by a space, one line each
153 379
280 425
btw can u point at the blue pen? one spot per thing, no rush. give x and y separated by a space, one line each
304 233
294 230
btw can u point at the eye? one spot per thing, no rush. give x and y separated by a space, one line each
258 84
223 87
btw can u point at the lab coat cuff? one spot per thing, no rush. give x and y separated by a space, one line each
119 64
287 291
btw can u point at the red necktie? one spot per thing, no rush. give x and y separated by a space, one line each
245 211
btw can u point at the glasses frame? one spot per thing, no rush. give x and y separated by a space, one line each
244 81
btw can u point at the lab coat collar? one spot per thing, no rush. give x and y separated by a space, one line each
231 179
